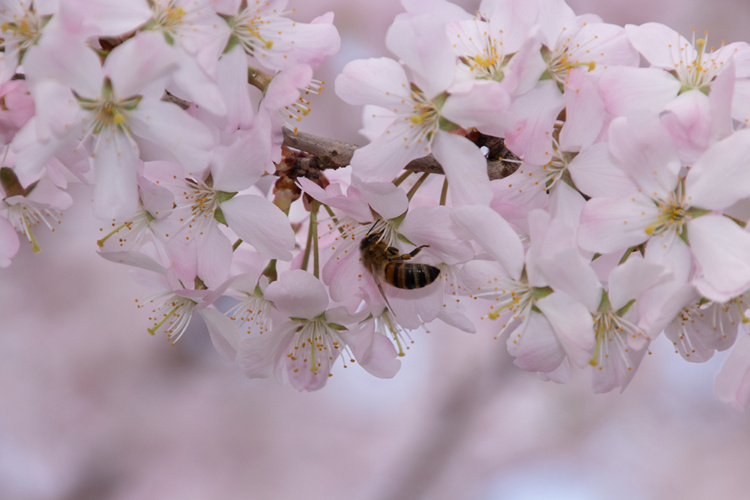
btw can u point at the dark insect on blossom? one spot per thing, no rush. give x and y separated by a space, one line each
388 264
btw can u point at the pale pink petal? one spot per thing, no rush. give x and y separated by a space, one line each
595 174
352 204
628 280
414 308
373 351
741 101
231 78
195 85
689 122
225 336
379 81
314 42
477 103
612 224
104 17
553 254
260 223
138 62
721 248
660 45
533 117
116 167
720 101
584 112
720 177
298 294
240 163
263 356
385 156
422 43
494 234
535 345
643 148
9 242
465 169
169 127
284 88
733 381
76 67
214 256
386 200
572 323
626 89
619 369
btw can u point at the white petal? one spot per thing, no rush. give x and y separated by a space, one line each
298 294
380 81
422 43
495 235
721 248
9 242
642 147
465 168
573 325
733 381
595 174
611 224
720 177
260 223
225 336
171 128
138 62
116 168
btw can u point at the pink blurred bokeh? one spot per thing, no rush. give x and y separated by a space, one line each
95 408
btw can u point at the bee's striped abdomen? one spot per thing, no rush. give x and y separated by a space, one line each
410 275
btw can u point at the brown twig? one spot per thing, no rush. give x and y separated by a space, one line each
331 153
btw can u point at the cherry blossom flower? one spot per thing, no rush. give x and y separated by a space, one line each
670 211
704 327
24 208
275 41
115 106
303 346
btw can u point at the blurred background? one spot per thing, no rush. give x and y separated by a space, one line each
93 407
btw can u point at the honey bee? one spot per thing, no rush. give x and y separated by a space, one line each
388 264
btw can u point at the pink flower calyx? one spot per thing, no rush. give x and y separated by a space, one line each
23 213
109 111
22 32
203 201
673 213
564 57
167 19
172 316
612 331
701 71
314 338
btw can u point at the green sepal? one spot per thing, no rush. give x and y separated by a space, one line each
697 212
624 309
447 125
219 216
541 292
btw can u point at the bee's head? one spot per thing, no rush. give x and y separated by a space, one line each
370 239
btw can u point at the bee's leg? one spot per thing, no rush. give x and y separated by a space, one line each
413 253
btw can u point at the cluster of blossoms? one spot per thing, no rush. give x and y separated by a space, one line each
622 220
